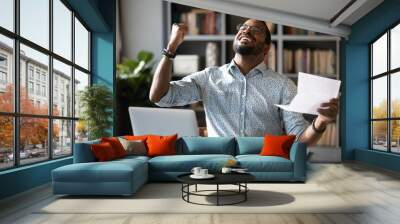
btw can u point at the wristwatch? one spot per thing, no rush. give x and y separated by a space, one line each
168 54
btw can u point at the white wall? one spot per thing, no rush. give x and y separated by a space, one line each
141 27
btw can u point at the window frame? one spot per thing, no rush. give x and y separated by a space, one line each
16 114
388 74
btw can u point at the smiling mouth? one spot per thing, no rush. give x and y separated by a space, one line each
246 39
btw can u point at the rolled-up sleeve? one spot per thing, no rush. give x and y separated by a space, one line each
294 123
185 91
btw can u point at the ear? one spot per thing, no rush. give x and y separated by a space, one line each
266 49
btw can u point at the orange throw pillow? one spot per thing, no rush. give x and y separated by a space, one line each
277 145
103 151
161 145
116 145
135 138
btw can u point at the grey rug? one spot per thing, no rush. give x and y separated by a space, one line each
166 198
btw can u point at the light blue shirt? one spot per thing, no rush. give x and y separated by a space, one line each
237 104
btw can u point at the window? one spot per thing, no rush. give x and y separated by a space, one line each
30 87
3 71
7 73
62 74
385 94
38 89
62 31
7 14
3 78
3 61
37 74
34 21
81 45
30 72
44 91
54 126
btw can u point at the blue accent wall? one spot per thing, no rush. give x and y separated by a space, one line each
355 74
99 16
24 178
103 52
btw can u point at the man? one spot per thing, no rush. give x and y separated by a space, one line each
239 97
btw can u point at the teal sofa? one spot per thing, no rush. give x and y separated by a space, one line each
125 176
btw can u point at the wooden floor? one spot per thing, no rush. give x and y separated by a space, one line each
377 188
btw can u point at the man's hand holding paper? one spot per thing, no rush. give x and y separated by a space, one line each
316 95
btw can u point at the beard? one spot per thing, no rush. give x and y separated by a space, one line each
247 50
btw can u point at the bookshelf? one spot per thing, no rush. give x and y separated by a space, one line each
293 50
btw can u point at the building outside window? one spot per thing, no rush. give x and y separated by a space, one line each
38 89
43 78
58 138
30 87
3 61
43 90
30 72
3 70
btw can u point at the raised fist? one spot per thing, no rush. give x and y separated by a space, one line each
179 30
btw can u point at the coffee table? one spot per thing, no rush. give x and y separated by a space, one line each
238 179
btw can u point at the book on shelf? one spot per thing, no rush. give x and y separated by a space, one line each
200 21
297 31
316 61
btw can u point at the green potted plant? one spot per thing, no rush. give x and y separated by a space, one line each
133 85
96 104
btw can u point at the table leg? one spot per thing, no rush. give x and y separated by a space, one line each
217 194
188 189
245 191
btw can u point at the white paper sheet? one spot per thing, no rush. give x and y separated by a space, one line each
312 90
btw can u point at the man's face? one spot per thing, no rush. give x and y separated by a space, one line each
250 39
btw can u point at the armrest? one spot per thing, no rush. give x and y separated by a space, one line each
83 152
298 154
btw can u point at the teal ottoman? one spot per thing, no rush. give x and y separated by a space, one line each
118 177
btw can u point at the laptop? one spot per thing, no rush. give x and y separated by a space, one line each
163 121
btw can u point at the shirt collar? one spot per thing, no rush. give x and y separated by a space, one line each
259 69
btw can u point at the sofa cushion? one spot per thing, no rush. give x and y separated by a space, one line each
103 152
132 158
111 171
135 137
159 145
83 152
185 163
133 147
249 145
206 145
116 145
277 145
257 163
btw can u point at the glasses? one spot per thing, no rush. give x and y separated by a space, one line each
253 29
